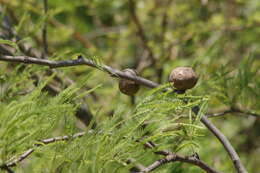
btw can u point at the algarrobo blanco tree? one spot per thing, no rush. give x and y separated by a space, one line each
162 127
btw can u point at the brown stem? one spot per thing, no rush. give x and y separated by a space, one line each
191 159
174 157
225 142
77 62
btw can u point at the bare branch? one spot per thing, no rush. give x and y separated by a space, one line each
152 145
20 158
137 168
7 169
229 148
174 157
191 159
61 138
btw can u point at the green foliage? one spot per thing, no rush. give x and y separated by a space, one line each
220 39
113 142
107 148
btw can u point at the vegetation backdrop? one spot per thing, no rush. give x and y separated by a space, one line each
75 119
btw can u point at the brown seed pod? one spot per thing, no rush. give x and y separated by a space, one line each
183 78
126 86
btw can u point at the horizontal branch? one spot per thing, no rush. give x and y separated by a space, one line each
137 168
7 169
117 73
174 157
171 157
233 110
38 144
78 62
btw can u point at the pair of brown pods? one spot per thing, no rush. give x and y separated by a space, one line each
182 78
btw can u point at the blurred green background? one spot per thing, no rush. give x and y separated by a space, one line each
220 39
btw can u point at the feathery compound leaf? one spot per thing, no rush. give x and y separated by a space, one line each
10 43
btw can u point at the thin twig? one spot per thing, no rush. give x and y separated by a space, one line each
20 158
140 30
117 73
174 157
7 169
60 138
77 62
38 144
233 110
137 167
44 30
191 159
247 113
229 148
219 113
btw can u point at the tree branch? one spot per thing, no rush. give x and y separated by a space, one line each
168 155
77 62
229 148
174 157
233 110
117 73
137 168
9 170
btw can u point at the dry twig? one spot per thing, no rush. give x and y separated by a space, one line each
171 157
